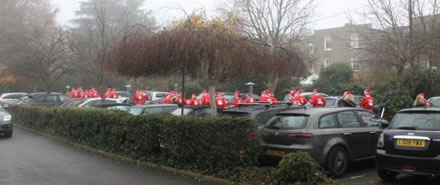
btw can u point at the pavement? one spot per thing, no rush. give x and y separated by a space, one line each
29 159
364 173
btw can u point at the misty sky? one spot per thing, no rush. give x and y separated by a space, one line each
329 13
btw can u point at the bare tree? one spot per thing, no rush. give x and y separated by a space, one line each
276 23
48 56
406 33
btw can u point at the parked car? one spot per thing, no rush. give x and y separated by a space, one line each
155 95
334 137
6 127
332 101
435 101
44 99
89 102
124 96
12 97
152 109
199 111
260 112
411 144
307 95
74 102
114 106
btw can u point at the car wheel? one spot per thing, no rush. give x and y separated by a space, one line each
386 175
337 162
8 134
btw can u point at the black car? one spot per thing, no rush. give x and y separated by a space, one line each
153 109
260 112
411 144
198 111
45 99
5 122
334 137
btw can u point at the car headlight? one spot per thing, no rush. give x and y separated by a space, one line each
7 118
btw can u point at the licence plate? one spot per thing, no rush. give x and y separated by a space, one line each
411 143
275 153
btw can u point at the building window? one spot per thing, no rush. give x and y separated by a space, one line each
355 64
354 41
327 62
327 43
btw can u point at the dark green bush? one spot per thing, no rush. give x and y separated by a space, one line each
299 168
207 145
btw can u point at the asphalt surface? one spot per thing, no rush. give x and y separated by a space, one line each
28 159
364 173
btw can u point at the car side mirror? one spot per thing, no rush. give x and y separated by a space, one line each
384 123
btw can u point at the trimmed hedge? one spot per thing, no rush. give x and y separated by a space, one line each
210 146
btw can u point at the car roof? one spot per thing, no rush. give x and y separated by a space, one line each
111 104
156 105
421 109
196 107
14 93
325 110
254 108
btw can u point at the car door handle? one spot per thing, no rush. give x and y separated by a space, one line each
347 134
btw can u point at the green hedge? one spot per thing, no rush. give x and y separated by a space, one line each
210 146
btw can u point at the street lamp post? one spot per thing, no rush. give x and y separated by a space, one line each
128 86
251 88
67 89
175 87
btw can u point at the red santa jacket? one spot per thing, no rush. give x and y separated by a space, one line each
300 100
318 101
236 101
367 103
205 99
221 102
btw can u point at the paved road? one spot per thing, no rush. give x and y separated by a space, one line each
28 159
364 173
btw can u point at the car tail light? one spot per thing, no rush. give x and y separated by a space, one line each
252 135
300 136
380 142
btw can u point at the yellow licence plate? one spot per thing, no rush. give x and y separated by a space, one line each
275 153
411 143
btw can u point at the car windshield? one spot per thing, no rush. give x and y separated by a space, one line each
289 122
435 102
416 121
330 102
136 110
178 112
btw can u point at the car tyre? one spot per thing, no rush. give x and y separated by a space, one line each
386 175
337 162
8 134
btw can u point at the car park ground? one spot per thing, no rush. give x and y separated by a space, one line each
28 159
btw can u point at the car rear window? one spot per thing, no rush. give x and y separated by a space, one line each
288 122
330 102
416 121
136 110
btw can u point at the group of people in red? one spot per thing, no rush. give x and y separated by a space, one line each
83 93
139 97
297 98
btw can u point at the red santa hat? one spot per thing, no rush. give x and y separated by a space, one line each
299 91
204 91
314 91
292 92
237 93
217 94
367 91
347 93
422 94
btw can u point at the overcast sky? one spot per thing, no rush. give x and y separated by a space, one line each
329 13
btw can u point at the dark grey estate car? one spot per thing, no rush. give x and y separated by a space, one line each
411 144
152 109
5 122
334 137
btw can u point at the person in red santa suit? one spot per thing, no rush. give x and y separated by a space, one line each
237 99
114 94
292 96
72 93
219 102
80 93
107 93
300 99
205 98
167 99
264 96
86 93
367 102
317 100
90 94
139 98
179 98
194 100
95 93
144 96
272 98
249 99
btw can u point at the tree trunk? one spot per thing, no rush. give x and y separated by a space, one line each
212 100
273 83
212 80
